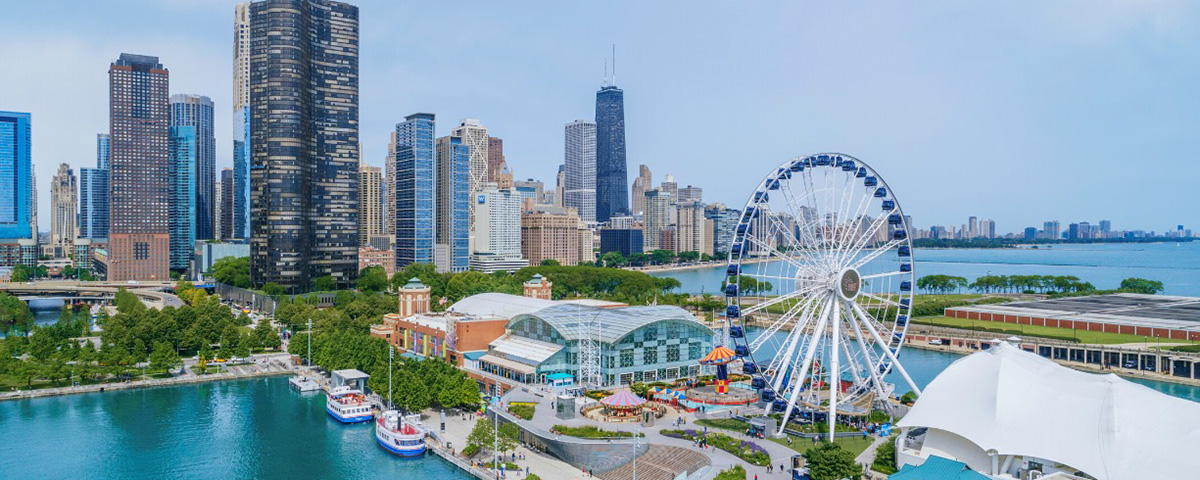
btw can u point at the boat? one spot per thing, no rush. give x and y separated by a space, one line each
399 434
348 405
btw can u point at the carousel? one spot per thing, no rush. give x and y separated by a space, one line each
719 393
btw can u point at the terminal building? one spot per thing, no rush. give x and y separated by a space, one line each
507 340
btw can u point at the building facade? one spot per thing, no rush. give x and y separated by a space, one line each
16 182
550 233
226 196
724 221
496 234
612 182
579 173
695 231
304 144
63 207
452 236
626 241
495 157
659 216
241 121
373 257
93 193
183 147
690 194
414 190
370 206
638 191
475 136
139 117
196 111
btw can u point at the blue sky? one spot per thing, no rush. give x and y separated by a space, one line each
1021 111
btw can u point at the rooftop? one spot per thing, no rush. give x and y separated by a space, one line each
507 306
571 319
1157 311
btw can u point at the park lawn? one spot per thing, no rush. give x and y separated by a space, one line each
1083 336
855 445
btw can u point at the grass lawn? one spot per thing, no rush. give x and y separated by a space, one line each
1084 336
724 424
855 445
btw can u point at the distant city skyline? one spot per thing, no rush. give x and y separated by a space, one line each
938 122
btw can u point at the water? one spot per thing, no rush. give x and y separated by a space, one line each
1177 265
220 430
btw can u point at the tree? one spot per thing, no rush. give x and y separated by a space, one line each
264 336
43 345
372 279
484 435
1141 285
324 284
272 289
550 262
638 259
689 256
662 257
163 357
232 271
828 461
612 259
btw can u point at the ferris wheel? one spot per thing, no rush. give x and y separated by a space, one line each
819 284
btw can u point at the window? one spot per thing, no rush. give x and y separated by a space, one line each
141 250
650 356
650 334
627 358
693 351
672 353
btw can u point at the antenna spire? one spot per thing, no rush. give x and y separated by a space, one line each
614 76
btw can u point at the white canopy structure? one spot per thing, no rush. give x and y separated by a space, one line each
1005 410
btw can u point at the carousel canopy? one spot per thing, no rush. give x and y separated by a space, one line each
622 399
718 356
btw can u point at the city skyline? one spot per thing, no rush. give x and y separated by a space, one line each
998 128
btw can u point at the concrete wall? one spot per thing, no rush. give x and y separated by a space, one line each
595 455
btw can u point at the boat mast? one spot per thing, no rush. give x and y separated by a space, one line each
391 354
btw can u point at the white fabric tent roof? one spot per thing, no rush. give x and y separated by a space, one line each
1019 403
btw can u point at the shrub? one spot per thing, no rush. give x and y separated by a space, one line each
735 473
885 457
589 431
470 451
522 411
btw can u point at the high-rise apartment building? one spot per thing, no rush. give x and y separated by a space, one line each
139 117
1051 229
560 180
495 157
475 137
389 188
550 233
16 178
659 216
370 207
496 234
724 221
183 151
987 229
452 204
304 146
63 207
694 230
690 194
579 174
93 193
196 111
612 183
640 185
670 187
972 227
241 121
414 190
226 196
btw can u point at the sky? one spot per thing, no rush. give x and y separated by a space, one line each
1018 111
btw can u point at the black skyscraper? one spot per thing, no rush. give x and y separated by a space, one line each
612 184
304 142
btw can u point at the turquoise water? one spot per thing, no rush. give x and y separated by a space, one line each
221 430
1177 265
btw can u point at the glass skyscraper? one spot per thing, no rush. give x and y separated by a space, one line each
579 164
414 190
303 143
93 193
453 204
612 183
197 111
181 185
240 199
16 177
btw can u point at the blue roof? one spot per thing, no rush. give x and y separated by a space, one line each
938 468
559 376
475 355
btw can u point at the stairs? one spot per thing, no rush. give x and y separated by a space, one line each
660 462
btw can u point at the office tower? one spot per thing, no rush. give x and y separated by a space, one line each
973 226
657 218
63 207
638 191
550 233
93 193
219 208
560 180
724 221
695 231
452 204
139 240
611 181
370 207
1051 229
690 194
241 122
496 233
1030 233
389 188
530 188
16 177
183 154
227 200
197 111
987 229
475 137
414 190
626 241
670 188
303 143
1105 228
579 176
495 157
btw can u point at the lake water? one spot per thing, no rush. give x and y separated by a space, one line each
220 430
1177 265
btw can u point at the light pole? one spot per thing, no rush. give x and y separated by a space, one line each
309 359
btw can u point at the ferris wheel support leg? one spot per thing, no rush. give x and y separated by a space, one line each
862 345
886 350
805 365
835 373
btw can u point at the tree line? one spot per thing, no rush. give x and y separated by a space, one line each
1045 284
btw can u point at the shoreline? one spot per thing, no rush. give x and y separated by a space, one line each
137 384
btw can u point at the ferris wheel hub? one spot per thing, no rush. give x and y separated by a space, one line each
849 283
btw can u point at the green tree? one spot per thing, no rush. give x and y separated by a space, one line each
550 262
828 461
372 279
325 284
43 344
272 289
163 357
612 259
1141 285
483 435
232 271
264 335
662 257
638 259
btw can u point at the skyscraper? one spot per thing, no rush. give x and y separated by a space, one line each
475 137
496 233
226 204
93 193
690 194
303 142
139 116
579 175
414 190
183 152
658 217
370 213
389 188
452 205
640 185
196 111
495 157
612 183
16 177
63 208
241 121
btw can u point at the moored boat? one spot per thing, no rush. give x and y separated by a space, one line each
348 405
402 435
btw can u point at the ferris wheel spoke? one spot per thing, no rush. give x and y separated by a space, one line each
761 305
878 251
805 364
880 299
770 250
807 305
882 275
871 361
865 239
788 236
865 320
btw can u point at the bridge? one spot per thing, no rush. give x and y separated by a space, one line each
151 293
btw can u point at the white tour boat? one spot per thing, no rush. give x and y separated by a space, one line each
348 405
402 435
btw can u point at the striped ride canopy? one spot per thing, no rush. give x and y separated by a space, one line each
622 399
718 356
